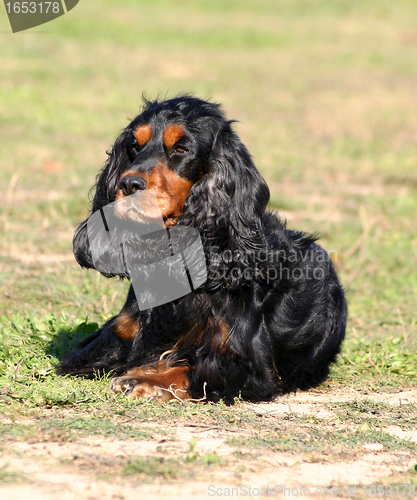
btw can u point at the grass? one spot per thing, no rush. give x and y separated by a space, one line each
172 468
314 441
10 477
325 97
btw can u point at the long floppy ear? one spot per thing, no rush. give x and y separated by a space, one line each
106 188
107 179
233 192
233 171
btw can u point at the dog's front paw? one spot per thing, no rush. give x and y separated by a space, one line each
134 389
154 383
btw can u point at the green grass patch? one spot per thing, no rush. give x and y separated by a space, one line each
188 466
386 361
29 353
8 476
71 429
337 444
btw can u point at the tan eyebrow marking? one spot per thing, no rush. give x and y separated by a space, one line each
172 134
142 134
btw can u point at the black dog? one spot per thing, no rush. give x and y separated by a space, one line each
270 317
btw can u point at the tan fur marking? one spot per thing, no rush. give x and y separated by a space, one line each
224 330
170 189
172 134
126 327
193 337
153 380
142 134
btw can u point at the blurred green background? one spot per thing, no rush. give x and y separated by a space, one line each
325 94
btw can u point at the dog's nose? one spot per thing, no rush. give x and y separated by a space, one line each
130 184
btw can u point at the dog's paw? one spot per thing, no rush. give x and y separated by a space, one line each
136 388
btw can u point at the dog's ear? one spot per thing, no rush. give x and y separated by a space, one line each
106 188
81 248
233 192
233 172
118 160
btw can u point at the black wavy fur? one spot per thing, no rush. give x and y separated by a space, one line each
274 290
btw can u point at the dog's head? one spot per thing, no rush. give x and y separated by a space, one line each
187 153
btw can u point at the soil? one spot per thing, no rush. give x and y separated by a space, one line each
69 471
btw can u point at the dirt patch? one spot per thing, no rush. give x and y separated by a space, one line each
94 467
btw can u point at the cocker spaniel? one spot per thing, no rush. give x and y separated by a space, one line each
267 315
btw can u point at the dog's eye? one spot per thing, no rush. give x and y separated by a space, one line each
133 148
134 144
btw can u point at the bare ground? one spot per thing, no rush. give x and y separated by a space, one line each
88 468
